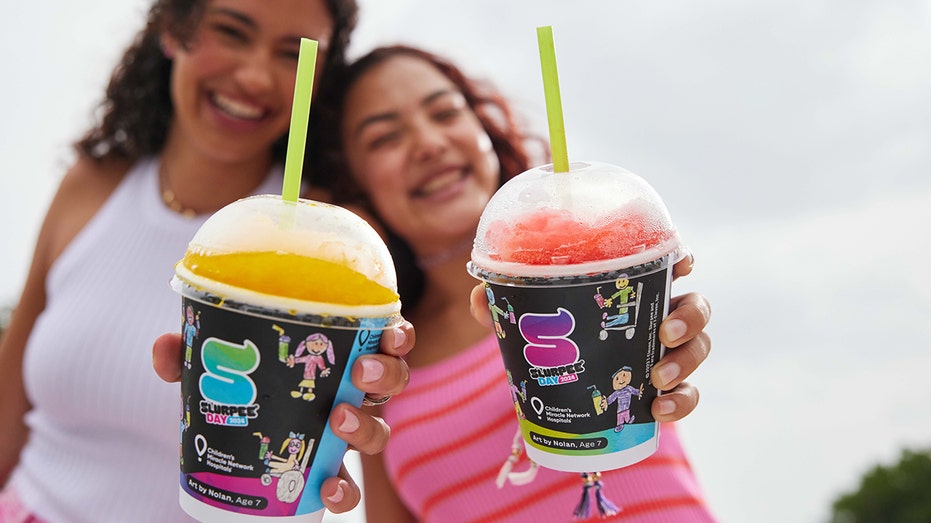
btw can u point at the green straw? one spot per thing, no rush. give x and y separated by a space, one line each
553 101
300 113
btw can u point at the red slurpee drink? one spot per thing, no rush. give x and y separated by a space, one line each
585 260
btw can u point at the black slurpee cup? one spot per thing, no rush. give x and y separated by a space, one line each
288 295
584 258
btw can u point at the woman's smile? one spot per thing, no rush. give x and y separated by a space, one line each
442 185
239 109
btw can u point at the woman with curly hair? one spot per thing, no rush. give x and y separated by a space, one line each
194 118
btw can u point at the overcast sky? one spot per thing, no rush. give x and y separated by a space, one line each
790 139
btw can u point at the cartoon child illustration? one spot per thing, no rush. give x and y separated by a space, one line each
620 381
495 311
623 295
295 448
623 300
315 345
516 394
289 470
191 328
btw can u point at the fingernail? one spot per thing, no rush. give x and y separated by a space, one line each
667 372
337 496
674 329
400 338
350 423
664 407
372 370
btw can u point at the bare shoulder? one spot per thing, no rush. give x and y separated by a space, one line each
96 178
81 193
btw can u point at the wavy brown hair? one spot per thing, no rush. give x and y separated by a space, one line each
509 139
133 119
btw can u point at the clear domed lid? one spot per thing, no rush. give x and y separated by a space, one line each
304 228
591 218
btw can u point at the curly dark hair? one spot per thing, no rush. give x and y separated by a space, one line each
509 140
137 109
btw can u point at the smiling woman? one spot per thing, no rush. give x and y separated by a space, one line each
423 148
397 133
233 82
194 118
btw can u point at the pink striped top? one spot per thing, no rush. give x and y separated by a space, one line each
452 428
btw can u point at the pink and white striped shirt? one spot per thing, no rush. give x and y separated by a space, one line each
452 429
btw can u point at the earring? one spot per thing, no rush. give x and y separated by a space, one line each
167 48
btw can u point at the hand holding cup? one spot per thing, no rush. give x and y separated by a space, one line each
378 375
683 334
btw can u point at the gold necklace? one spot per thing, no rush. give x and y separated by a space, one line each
169 199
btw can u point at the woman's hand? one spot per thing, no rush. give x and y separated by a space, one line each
682 332
377 375
687 346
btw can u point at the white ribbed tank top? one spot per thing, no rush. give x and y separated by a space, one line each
104 429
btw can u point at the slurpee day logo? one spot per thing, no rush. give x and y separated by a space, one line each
228 391
552 355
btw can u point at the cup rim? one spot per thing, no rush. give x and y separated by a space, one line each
508 273
321 314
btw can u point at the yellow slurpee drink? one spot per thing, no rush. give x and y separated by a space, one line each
290 276
288 295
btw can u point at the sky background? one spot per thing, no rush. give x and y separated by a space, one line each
790 140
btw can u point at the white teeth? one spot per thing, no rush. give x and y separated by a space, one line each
236 108
439 182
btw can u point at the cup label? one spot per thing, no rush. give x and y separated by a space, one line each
256 394
578 360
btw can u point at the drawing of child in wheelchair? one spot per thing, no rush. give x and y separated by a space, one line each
289 469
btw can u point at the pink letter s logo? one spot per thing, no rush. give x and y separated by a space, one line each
547 339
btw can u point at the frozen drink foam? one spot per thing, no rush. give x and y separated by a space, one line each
308 278
305 255
552 236
278 300
582 260
582 221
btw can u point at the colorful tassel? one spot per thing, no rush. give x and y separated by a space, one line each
591 487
